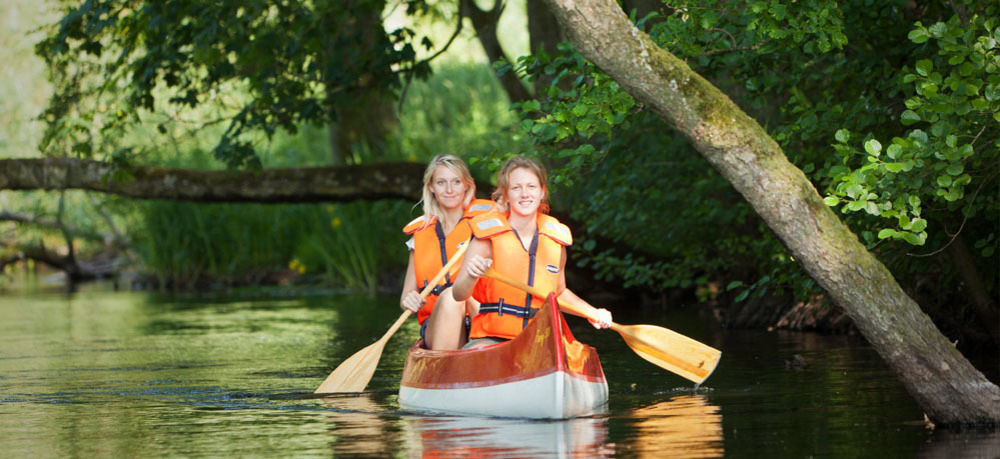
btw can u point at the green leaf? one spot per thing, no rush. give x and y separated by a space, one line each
955 169
842 135
924 67
886 233
944 181
918 35
915 239
909 117
831 201
938 30
893 150
872 208
873 147
531 106
918 225
894 167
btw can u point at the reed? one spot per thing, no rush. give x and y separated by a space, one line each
186 244
355 246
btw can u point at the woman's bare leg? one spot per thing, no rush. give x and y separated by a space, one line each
445 328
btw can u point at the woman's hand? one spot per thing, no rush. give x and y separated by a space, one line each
412 301
603 319
476 266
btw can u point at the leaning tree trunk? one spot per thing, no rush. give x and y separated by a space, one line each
948 388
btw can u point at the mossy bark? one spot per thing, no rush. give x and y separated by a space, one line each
320 184
941 380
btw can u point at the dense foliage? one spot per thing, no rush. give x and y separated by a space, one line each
827 80
252 67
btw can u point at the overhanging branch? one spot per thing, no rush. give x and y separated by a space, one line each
399 180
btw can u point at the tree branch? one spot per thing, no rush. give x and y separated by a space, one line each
397 180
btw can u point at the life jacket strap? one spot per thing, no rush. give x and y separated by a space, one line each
437 288
502 308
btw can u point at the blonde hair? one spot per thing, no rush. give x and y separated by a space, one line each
431 206
503 181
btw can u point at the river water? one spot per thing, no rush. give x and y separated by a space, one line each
138 374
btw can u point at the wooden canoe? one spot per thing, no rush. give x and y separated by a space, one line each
543 373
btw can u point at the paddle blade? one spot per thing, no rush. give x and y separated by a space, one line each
671 351
354 373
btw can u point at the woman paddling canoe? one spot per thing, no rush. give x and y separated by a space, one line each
522 242
448 202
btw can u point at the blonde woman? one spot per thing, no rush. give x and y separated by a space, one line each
448 203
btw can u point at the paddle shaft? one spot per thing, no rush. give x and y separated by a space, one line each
354 373
665 348
428 289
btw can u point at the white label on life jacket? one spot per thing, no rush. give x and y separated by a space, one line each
556 230
491 223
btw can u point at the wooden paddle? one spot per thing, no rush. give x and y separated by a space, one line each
665 348
353 374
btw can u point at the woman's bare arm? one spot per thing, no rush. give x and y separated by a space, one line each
477 260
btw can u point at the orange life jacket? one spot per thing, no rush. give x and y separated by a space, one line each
504 310
432 249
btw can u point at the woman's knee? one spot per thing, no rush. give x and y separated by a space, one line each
448 304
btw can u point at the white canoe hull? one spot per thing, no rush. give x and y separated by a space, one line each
543 373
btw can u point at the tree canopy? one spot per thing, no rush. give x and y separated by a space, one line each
252 67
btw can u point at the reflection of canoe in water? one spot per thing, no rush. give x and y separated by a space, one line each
466 436
543 373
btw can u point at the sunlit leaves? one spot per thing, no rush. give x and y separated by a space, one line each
952 107
580 110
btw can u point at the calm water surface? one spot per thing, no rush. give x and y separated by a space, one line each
104 373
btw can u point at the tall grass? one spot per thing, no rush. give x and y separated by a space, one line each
185 243
357 246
